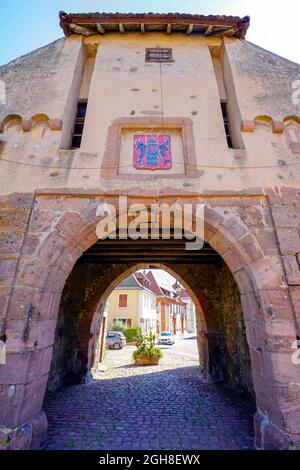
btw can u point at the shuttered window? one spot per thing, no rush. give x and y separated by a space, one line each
123 300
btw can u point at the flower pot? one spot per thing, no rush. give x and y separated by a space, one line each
146 360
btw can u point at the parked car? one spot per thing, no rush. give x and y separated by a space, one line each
115 340
166 337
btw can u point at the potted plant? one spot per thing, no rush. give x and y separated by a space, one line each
147 354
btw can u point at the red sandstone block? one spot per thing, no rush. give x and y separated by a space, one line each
220 243
56 280
267 274
266 400
39 431
249 246
42 302
279 327
213 218
17 201
267 241
52 248
7 269
233 260
87 241
290 196
11 398
18 304
10 242
33 398
274 196
45 332
286 216
42 220
281 366
256 361
252 339
252 216
33 273
47 304
289 240
251 307
277 302
291 269
278 343
295 296
31 244
62 203
243 281
16 368
208 232
15 337
4 298
267 215
70 225
235 228
14 219
40 362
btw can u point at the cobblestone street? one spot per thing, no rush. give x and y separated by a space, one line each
161 407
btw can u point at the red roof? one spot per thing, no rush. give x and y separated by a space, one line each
101 23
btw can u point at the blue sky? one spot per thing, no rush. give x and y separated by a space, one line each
27 25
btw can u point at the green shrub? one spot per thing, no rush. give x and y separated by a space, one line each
132 333
146 346
119 326
148 352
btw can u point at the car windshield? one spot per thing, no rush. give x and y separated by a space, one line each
166 333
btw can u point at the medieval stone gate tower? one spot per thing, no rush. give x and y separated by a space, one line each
161 108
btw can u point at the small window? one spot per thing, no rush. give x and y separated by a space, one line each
226 123
159 54
79 124
123 300
125 321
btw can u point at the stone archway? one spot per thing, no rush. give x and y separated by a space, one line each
51 247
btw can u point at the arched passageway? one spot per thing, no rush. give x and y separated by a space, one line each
237 236
120 407
223 350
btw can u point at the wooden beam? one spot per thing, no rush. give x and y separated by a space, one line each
100 28
75 28
208 30
190 29
121 28
169 28
143 28
225 32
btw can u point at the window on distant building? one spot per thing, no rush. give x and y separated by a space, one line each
125 321
159 54
79 124
123 300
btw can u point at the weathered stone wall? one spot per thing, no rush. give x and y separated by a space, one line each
231 359
74 343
